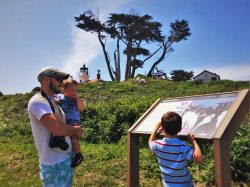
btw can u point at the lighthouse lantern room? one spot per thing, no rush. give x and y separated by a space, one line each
84 74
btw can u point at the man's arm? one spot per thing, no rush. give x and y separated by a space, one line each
197 155
58 128
154 133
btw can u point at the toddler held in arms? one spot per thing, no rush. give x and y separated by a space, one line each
72 105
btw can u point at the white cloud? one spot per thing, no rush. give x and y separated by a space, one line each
84 50
110 6
85 45
231 72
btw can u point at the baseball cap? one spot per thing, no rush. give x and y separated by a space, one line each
52 72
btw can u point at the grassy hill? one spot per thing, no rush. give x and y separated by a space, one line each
111 109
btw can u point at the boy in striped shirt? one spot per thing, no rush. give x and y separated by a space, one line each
173 153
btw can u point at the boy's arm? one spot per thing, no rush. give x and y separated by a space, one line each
154 133
80 104
197 155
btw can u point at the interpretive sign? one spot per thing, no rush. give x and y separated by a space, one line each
212 117
201 115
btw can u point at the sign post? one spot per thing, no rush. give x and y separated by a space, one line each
133 160
225 135
133 152
212 117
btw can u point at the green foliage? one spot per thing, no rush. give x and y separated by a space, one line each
181 75
111 108
204 172
179 31
111 120
240 163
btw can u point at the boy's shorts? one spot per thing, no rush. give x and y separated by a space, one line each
73 122
60 174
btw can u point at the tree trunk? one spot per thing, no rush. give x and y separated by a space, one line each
151 55
133 69
118 65
106 57
128 65
165 48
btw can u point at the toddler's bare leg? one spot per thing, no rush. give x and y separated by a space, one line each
75 145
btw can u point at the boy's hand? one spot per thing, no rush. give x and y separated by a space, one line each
158 126
76 96
190 137
197 155
80 103
153 135
57 101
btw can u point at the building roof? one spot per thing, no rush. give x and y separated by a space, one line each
205 71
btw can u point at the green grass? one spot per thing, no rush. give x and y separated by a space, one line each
104 164
18 162
111 109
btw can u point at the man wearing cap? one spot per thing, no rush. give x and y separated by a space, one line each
47 117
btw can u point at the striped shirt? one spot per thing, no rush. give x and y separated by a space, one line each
172 155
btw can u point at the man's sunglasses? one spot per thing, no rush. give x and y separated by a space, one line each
59 79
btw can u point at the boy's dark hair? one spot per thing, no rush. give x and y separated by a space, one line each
171 122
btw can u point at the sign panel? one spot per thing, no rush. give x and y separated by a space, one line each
201 115
212 116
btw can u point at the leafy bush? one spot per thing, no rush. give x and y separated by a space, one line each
111 108
240 163
111 120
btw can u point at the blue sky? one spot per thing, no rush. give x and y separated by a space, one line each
39 33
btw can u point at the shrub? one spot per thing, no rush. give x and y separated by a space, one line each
113 107
240 163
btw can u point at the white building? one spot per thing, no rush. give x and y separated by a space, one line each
206 76
84 74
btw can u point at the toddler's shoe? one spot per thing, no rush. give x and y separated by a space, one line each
77 159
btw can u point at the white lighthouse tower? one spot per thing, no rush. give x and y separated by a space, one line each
84 74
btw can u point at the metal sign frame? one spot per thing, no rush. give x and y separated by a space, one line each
221 140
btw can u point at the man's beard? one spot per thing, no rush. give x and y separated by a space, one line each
54 89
